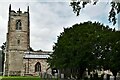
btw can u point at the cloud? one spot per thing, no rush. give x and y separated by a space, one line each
47 20
34 0
50 21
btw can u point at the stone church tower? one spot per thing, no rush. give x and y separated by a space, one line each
18 41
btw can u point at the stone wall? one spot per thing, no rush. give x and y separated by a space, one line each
32 62
17 42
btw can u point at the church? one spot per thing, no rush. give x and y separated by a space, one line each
19 59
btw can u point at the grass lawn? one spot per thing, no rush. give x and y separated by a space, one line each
20 78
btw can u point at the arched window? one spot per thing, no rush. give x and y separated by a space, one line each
37 67
18 25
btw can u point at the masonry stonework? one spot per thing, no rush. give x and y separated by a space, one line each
17 43
32 63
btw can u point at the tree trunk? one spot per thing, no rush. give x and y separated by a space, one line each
108 77
102 77
114 74
114 77
80 72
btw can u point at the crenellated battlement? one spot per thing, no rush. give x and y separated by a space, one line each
18 13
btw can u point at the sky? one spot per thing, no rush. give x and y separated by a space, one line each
48 18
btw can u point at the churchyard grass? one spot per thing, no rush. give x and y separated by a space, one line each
22 78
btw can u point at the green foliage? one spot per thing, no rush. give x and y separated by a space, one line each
86 45
77 5
3 46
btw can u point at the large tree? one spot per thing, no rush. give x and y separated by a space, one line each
114 53
86 45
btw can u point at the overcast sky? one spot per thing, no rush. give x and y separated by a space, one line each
49 17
